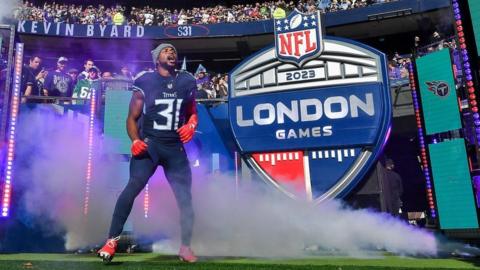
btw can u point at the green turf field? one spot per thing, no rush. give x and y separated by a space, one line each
155 261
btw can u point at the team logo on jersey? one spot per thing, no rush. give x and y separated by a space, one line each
298 37
313 130
439 88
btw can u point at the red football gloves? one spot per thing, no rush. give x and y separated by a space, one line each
186 131
138 148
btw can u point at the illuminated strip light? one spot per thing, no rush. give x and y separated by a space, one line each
421 139
88 177
472 98
237 177
146 201
14 106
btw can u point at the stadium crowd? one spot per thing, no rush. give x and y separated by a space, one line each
40 84
398 64
153 16
78 83
210 85
40 80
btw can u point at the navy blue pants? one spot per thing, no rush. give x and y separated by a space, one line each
173 159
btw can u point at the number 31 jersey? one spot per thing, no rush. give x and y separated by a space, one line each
165 103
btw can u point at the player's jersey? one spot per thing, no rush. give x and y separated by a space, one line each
165 103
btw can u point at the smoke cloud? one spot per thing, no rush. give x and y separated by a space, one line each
248 220
52 153
253 221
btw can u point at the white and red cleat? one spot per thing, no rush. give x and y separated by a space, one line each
107 252
186 254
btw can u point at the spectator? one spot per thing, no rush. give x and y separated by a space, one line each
125 73
85 87
110 83
402 65
436 38
230 17
208 88
416 44
118 18
201 94
322 5
73 72
148 17
223 87
279 13
182 19
393 71
107 75
201 78
29 79
58 83
393 189
87 65
437 42
215 85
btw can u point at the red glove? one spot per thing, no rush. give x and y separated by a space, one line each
138 148
186 131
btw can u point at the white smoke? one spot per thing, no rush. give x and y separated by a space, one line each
9 9
245 221
255 222
54 153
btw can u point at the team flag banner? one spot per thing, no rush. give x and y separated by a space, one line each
437 90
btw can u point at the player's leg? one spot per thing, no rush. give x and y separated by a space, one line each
177 170
141 169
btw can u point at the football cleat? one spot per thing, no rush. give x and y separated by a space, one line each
107 252
186 254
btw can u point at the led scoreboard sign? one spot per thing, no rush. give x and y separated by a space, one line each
310 114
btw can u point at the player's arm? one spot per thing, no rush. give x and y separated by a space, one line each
135 111
187 131
191 113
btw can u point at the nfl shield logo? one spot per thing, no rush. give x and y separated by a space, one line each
298 37
312 131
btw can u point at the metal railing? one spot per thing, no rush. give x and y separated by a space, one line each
114 84
8 79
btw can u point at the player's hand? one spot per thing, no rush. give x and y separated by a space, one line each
138 148
186 131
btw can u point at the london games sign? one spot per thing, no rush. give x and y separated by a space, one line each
310 114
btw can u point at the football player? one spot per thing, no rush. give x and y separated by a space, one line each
163 105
